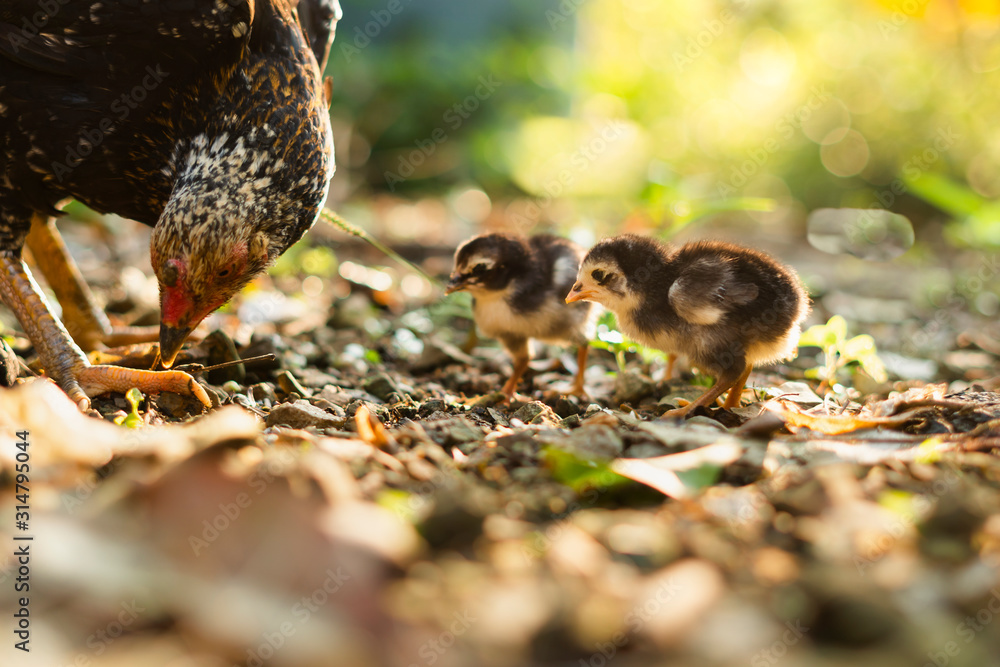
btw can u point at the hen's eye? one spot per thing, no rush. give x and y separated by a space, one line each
597 275
224 273
170 274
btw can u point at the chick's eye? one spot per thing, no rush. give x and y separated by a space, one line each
478 269
597 275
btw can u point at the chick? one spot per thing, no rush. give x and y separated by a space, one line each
519 286
726 307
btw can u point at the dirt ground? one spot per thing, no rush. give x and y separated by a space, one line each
365 498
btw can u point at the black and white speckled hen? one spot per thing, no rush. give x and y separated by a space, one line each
726 307
206 119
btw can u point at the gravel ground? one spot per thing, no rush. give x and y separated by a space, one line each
365 498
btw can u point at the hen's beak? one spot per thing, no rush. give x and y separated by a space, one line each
171 341
455 284
578 293
178 318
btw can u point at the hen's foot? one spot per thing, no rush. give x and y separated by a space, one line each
63 360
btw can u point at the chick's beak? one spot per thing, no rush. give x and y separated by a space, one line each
578 293
455 284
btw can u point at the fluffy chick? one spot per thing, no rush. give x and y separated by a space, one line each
726 307
519 286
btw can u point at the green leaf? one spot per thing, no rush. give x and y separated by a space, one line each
873 366
398 502
700 477
132 419
814 336
858 347
927 451
601 345
578 473
319 261
838 328
896 501
648 354
608 319
825 335
702 380
862 350
954 198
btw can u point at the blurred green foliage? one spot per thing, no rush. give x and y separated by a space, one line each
671 110
840 352
975 220
435 86
608 337
580 474
133 419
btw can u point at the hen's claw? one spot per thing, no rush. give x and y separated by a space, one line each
63 360
97 380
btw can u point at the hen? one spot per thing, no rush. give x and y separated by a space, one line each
205 119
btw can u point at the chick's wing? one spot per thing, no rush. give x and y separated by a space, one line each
708 288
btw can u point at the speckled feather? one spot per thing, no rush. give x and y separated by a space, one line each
229 142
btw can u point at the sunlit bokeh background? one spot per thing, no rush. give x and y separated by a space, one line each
853 138
662 112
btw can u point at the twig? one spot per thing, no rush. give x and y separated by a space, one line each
198 368
946 403
334 219
25 367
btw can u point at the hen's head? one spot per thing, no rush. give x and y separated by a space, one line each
235 208
199 269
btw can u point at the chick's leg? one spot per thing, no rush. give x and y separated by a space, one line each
733 376
733 398
520 355
581 366
62 359
471 340
671 361
82 316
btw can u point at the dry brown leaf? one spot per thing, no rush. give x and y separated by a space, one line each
674 600
68 436
374 528
370 429
831 424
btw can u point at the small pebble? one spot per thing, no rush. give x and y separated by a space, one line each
301 414
9 367
290 385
